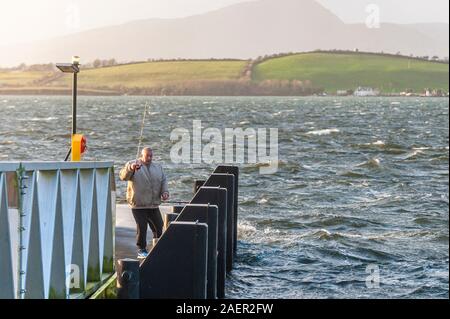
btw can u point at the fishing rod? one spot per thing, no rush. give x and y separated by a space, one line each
142 130
139 148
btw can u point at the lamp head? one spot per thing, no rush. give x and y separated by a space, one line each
70 67
75 60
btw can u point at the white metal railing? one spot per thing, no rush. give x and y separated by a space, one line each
56 228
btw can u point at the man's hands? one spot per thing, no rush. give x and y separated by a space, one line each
165 196
136 165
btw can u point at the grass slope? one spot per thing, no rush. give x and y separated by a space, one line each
328 70
151 74
333 71
21 78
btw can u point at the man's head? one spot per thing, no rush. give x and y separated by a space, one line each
147 155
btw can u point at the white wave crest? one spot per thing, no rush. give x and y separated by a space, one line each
373 162
412 155
379 143
323 132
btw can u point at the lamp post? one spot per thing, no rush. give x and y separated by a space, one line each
73 68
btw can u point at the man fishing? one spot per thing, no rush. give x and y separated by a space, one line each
147 185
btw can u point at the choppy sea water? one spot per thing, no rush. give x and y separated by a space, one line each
361 189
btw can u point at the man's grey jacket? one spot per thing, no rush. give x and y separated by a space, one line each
145 185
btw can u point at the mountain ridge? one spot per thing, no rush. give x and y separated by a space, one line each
243 30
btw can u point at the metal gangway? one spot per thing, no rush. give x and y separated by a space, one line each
56 228
57 236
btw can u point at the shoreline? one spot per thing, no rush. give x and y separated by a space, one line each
100 93
56 92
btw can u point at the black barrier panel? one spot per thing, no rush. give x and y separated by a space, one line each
217 196
176 267
168 218
207 214
197 185
235 171
176 209
226 181
128 279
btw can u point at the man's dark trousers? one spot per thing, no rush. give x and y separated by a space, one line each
144 217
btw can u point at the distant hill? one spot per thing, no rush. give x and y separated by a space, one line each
244 30
293 74
347 71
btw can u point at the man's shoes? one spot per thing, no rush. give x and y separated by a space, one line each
142 253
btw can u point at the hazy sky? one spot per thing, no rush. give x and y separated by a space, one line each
29 20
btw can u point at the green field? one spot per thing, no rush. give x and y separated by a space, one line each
320 70
152 74
390 74
20 78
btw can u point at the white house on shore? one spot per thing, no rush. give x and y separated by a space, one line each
366 91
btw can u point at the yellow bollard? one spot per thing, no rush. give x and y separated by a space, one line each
78 147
